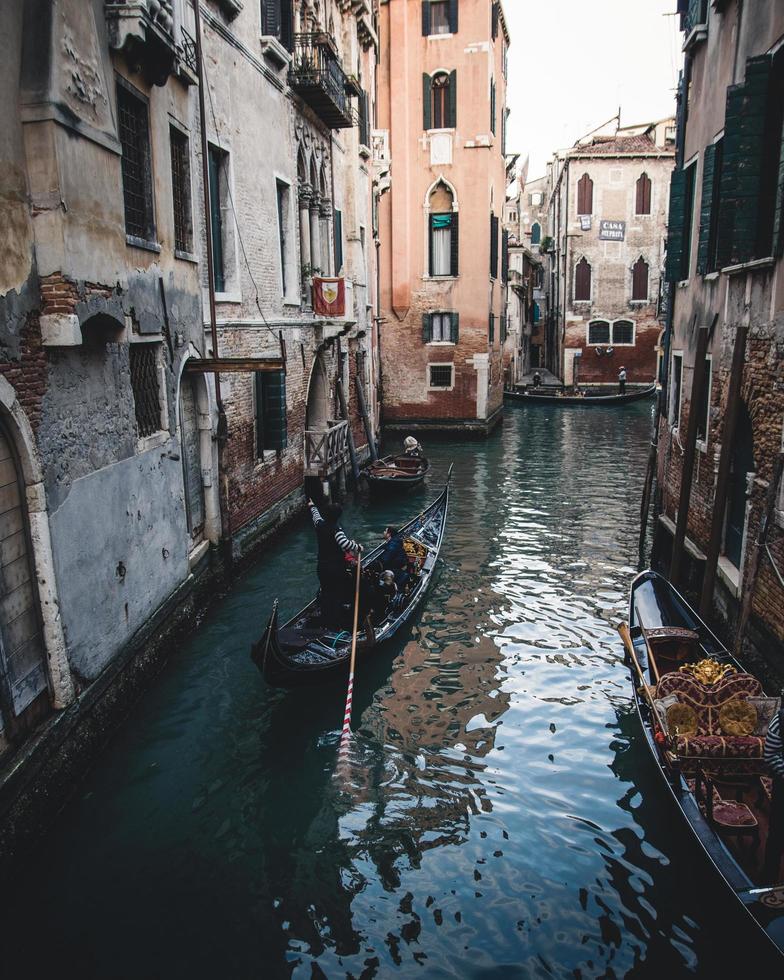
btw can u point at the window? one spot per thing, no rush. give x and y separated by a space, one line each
502 327
491 327
217 161
536 199
271 429
495 15
134 130
492 106
440 328
599 332
643 197
623 332
582 281
337 224
364 120
536 233
640 281
440 94
283 219
504 256
440 375
181 191
443 244
680 222
585 195
277 20
703 417
707 248
145 382
675 390
439 17
493 247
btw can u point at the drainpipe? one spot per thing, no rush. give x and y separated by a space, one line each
225 518
565 295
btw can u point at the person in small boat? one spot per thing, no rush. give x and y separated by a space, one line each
394 557
412 448
333 547
621 380
774 759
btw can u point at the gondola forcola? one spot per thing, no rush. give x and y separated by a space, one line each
540 398
705 720
304 651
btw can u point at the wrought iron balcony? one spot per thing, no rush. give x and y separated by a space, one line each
326 450
144 31
316 75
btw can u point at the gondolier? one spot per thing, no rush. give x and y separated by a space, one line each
333 547
622 380
774 758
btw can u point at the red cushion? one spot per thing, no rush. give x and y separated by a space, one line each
720 746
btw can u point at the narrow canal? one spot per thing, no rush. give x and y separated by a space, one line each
500 816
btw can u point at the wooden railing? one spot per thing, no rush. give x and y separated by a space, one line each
326 450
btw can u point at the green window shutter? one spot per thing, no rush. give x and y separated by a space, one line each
426 101
271 428
505 256
453 16
337 223
425 18
455 244
430 245
216 223
708 173
491 328
495 21
452 119
260 417
455 327
427 328
492 106
729 174
675 225
778 219
493 246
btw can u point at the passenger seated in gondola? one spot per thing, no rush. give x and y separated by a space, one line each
333 546
394 557
412 448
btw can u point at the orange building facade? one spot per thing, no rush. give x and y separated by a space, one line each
442 100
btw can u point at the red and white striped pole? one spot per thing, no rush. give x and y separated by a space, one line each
346 734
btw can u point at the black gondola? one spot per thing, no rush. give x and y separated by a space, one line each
304 651
542 398
397 472
718 782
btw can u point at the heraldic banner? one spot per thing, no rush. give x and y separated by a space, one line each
329 296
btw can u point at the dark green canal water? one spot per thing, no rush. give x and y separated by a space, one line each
499 818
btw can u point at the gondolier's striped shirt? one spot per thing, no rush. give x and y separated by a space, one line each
341 538
774 751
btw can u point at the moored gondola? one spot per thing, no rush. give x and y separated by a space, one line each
304 651
705 720
396 472
541 398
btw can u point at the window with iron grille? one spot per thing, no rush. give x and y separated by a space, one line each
181 190
134 133
599 332
623 332
440 375
145 382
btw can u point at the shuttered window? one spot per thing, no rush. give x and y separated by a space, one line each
582 280
704 407
443 244
502 328
439 100
707 254
271 428
493 247
680 223
505 256
492 106
216 166
495 17
640 280
439 17
643 196
277 20
337 225
536 233
491 328
440 327
585 195
181 190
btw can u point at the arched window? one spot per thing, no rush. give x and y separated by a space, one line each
643 201
585 195
623 332
640 280
442 232
439 95
582 280
440 100
536 233
599 332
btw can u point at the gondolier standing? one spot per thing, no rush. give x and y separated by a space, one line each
333 546
622 380
774 759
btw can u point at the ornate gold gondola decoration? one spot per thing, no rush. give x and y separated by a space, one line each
708 671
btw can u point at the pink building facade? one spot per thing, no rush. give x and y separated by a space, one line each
442 99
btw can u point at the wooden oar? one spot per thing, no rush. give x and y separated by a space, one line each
623 630
346 734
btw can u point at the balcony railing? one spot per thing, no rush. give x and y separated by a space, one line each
317 76
326 450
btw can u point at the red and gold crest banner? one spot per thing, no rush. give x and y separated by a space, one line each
329 296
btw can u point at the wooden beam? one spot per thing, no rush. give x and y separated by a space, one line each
687 473
233 365
723 476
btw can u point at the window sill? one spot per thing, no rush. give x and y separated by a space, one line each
440 278
729 574
185 256
440 37
441 129
698 33
142 243
682 283
274 52
711 276
440 343
228 297
639 302
155 441
442 388
365 151
752 266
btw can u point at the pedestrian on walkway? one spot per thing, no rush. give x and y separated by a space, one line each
622 380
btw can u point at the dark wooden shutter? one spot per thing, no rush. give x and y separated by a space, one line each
585 195
338 232
425 18
706 207
270 17
451 121
778 217
643 202
216 222
492 105
427 99
271 428
454 333
675 226
427 328
493 246
582 280
455 244
453 16
287 24
491 327
495 21
640 280
505 256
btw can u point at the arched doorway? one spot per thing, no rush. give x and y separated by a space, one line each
742 464
190 443
23 661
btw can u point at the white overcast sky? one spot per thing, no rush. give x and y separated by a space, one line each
573 62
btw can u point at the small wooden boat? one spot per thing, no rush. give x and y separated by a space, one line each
553 398
304 651
705 720
397 472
